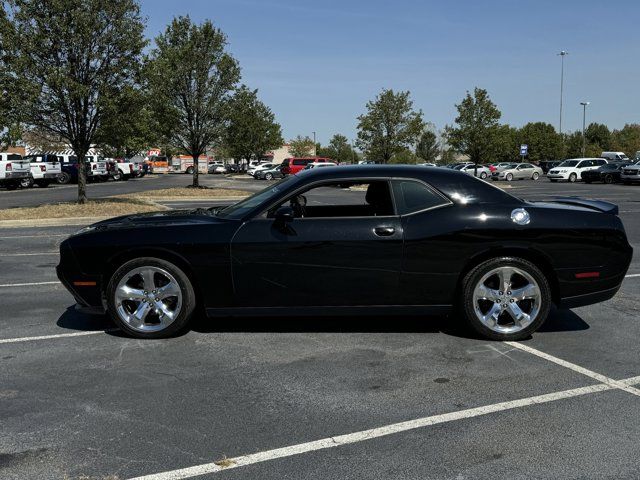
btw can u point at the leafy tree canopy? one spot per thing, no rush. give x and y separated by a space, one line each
428 147
389 126
302 147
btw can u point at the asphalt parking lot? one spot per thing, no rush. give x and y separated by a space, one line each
314 398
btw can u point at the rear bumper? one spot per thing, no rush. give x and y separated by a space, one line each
588 298
16 175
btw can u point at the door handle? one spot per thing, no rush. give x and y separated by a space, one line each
384 231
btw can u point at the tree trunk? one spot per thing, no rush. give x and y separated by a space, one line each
196 179
82 176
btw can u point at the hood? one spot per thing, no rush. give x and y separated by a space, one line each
160 218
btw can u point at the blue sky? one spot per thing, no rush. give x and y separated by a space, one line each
316 64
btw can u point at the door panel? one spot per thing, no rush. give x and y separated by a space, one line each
318 262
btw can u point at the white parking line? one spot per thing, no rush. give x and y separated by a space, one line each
59 335
28 254
7 285
355 437
576 368
632 275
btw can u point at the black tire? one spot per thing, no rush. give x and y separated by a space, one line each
573 178
188 294
535 176
26 182
608 179
509 177
475 275
117 176
189 171
64 178
553 180
268 176
483 175
125 178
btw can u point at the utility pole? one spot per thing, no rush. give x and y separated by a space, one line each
315 148
562 54
584 116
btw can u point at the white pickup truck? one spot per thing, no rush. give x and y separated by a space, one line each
13 169
125 169
45 169
98 167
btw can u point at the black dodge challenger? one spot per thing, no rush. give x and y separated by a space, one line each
351 240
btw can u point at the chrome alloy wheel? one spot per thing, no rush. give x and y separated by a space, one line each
148 299
507 299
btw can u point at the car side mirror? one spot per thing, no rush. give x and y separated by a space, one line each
284 215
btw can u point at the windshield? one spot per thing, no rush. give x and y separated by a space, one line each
569 163
240 209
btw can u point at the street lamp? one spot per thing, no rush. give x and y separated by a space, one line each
315 148
584 116
562 54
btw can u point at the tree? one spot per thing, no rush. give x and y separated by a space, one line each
404 156
118 138
339 149
389 126
598 135
476 124
428 147
505 144
543 141
70 60
252 127
302 147
192 78
573 145
627 139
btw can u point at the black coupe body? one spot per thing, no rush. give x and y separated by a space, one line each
348 239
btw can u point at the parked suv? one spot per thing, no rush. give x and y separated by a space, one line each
615 156
45 169
13 169
571 170
291 166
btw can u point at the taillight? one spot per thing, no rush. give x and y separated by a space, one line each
43 168
130 168
9 167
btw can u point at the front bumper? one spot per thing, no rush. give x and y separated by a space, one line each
630 178
557 176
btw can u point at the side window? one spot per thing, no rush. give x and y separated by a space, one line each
412 196
346 198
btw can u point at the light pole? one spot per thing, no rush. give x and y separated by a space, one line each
562 54
584 116
315 148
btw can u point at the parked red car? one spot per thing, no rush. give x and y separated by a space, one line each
291 166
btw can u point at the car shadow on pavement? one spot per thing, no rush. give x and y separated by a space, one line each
72 319
558 321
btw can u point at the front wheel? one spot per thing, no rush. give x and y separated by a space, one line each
150 298
483 175
509 177
535 176
506 298
608 179
573 177
269 176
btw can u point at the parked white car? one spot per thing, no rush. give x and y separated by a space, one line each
518 171
262 166
615 156
630 174
13 169
571 170
45 169
479 171
216 167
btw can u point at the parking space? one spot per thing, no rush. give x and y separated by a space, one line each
375 397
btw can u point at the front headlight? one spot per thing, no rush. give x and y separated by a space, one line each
86 229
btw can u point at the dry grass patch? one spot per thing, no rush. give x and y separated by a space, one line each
108 207
188 192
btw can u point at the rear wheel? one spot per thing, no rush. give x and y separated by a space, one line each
269 176
608 179
26 182
150 298
483 175
506 298
64 178
189 171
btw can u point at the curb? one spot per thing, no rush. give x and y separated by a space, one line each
192 199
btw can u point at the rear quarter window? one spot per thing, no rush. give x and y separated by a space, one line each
412 196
